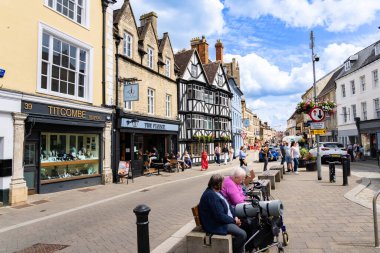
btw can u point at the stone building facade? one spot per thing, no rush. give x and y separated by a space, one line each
145 67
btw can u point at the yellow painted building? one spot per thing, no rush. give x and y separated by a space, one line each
53 92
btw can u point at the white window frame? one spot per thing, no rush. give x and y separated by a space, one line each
167 67
376 108
353 108
353 90
150 57
85 15
43 28
347 65
377 49
343 90
364 110
150 101
344 112
362 83
375 78
168 105
128 39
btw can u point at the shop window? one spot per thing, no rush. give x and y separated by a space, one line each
29 154
67 156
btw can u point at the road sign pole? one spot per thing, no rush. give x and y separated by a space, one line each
314 58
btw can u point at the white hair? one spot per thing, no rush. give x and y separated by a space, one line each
238 172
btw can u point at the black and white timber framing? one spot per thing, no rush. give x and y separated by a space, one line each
204 105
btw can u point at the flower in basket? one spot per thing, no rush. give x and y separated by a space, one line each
327 106
310 157
303 153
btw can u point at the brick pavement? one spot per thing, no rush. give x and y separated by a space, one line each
318 216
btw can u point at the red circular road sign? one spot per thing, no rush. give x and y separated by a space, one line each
317 114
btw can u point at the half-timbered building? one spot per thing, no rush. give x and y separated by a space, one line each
204 102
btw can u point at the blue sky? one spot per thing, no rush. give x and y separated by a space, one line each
270 40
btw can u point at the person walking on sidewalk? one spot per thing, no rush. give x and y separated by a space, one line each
350 151
282 152
231 153
288 158
265 153
295 153
242 156
225 154
217 154
204 162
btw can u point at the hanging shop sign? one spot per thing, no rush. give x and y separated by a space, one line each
148 125
131 92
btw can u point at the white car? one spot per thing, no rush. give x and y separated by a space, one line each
329 151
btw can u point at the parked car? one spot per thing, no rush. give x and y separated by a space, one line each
329 151
272 156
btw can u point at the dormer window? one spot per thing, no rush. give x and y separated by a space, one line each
150 57
127 47
347 65
377 49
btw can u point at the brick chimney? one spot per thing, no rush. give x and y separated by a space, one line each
149 17
202 47
219 50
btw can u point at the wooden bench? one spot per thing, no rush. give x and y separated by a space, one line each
201 242
280 168
272 175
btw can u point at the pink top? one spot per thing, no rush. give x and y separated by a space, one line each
232 191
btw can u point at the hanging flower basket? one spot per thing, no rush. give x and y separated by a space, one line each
306 106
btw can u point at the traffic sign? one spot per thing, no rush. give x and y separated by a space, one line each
317 125
318 131
317 114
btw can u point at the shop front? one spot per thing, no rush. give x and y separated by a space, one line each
64 146
370 133
140 135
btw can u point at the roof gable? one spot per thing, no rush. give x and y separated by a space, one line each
190 66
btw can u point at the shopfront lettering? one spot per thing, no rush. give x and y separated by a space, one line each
154 126
66 112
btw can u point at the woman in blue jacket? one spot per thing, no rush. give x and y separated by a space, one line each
218 217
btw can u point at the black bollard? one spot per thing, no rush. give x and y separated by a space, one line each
332 172
142 212
348 165
344 166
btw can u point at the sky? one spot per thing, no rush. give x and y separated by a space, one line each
270 40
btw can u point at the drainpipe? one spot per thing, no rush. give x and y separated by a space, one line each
105 4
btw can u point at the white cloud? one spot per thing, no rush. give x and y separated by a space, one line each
335 54
183 19
335 15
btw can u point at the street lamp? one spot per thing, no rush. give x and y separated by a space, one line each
314 58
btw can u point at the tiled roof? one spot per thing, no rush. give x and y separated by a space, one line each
365 57
182 60
331 83
211 69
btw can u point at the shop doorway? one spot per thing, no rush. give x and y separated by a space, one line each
31 166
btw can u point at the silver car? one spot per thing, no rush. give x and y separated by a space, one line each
329 151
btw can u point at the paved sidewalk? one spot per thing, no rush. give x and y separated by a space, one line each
319 216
